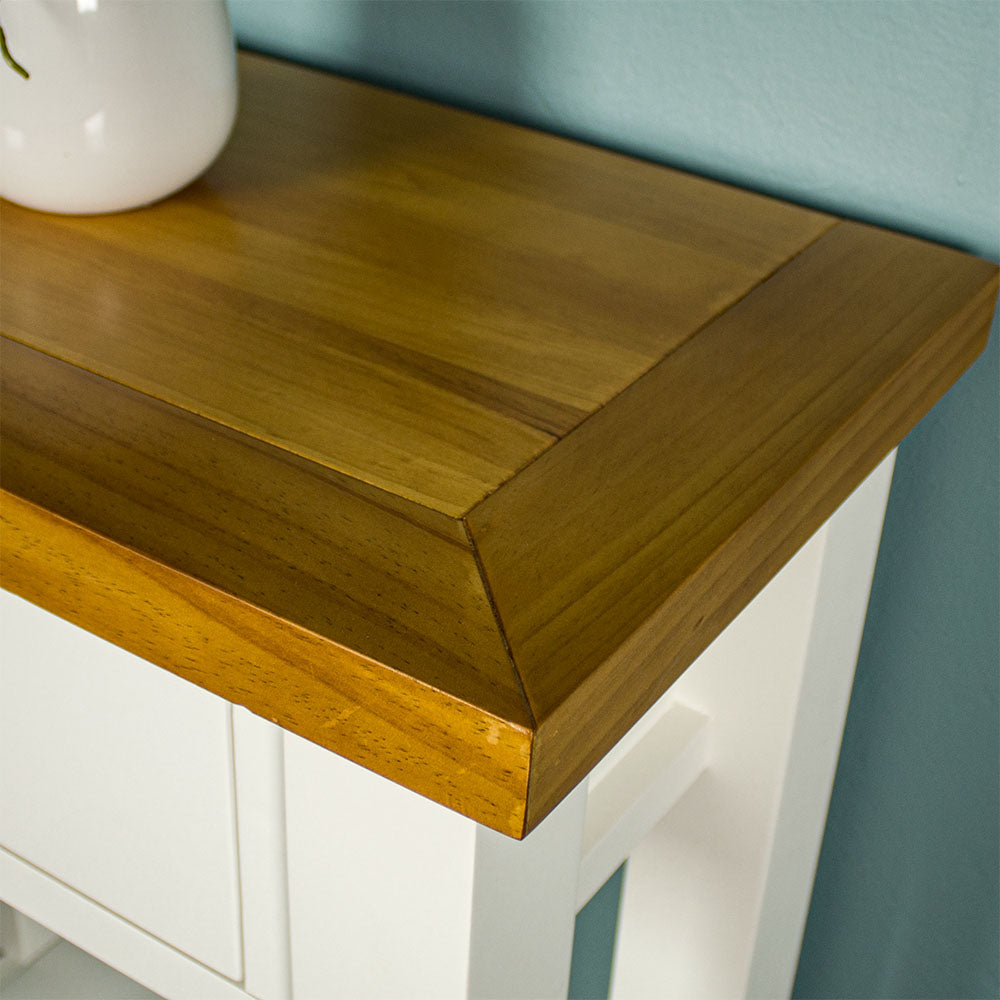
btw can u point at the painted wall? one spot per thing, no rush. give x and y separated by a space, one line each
883 111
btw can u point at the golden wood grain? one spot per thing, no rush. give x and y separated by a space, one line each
445 443
280 533
418 297
384 720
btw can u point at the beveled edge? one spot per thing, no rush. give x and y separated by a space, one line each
573 735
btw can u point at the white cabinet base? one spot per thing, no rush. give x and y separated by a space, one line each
346 885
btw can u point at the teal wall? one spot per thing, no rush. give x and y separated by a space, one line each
884 111
594 941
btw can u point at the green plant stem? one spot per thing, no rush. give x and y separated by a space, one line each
9 59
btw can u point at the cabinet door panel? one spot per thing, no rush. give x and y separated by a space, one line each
117 778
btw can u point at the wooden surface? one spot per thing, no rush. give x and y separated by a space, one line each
416 297
443 443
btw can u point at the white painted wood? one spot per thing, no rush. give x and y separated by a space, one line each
391 895
633 789
834 642
524 907
258 750
692 888
714 898
116 778
68 973
376 880
119 944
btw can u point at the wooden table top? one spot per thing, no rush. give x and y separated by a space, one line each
445 443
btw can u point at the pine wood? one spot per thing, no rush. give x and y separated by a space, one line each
444 443
287 536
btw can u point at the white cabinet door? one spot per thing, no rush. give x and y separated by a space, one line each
117 778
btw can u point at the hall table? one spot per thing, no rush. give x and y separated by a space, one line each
418 516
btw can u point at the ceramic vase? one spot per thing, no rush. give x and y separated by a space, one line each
126 101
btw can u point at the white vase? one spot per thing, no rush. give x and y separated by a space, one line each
127 100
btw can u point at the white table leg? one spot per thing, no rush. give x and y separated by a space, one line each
716 897
391 896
